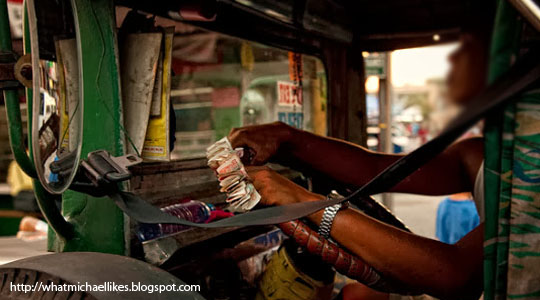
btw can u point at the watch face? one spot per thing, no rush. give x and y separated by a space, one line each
334 195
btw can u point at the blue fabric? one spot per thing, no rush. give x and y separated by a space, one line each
53 177
455 219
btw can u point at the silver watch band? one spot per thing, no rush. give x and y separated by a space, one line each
329 214
327 220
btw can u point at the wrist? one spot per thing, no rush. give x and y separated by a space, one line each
288 134
307 196
317 216
320 216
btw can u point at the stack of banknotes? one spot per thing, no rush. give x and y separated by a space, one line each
233 178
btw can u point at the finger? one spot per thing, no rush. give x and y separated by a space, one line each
257 168
263 202
261 177
249 156
240 139
235 137
233 130
255 152
255 172
259 159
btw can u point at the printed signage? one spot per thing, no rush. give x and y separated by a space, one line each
289 94
375 64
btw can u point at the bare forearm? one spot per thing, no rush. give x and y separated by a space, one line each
450 172
341 160
422 264
355 165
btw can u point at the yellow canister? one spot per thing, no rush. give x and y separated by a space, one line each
282 279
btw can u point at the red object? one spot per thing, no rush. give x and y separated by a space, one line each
346 263
218 214
289 94
226 97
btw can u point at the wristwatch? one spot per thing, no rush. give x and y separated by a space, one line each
329 214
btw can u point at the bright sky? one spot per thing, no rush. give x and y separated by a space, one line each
415 66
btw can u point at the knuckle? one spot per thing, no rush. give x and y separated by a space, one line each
266 173
237 131
233 133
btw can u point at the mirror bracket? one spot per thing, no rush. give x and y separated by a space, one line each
8 80
99 174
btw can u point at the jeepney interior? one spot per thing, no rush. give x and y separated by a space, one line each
232 65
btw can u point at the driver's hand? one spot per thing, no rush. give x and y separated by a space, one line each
276 189
265 140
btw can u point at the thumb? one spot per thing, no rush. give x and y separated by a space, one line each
257 156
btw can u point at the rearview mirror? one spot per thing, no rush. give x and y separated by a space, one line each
57 104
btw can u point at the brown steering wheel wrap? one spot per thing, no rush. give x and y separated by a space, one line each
342 260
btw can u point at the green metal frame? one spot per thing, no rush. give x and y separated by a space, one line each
88 223
502 54
512 230
512 184
99 225
45 201
13 109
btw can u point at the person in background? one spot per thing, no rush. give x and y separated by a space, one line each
456 216
420 264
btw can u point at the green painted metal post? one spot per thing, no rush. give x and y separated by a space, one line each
498 157
99 224
46 203
13 109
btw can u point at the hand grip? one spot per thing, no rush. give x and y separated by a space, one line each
343 261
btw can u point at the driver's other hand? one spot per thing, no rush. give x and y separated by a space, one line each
276 189
265 140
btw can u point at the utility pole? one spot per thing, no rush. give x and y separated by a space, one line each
385 115
378 64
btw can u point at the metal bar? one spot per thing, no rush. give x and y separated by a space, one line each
5 33
98 224
505 44
385 118
51 213
530 10
45 201
13 110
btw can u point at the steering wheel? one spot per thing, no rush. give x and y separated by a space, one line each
340 258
